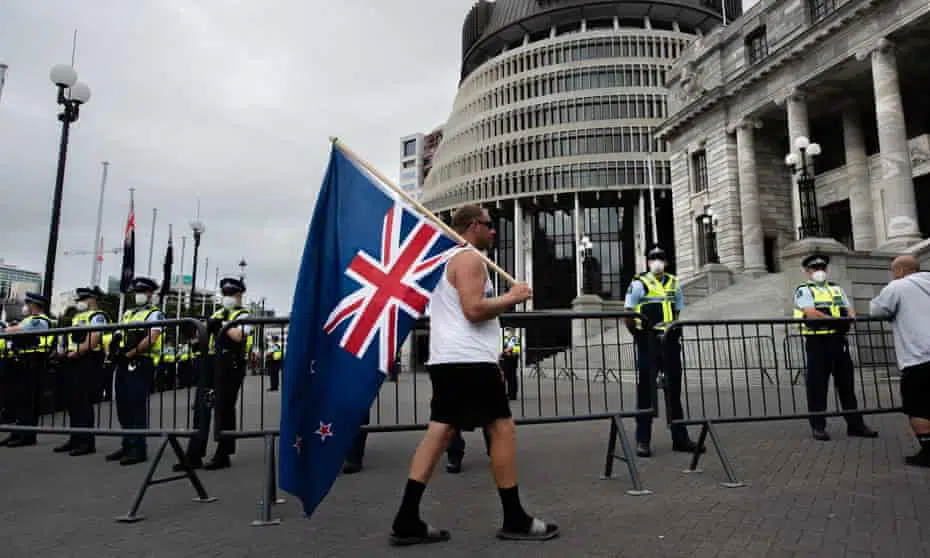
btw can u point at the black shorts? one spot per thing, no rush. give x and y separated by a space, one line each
915 391
467 395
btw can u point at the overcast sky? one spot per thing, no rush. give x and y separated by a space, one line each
231 100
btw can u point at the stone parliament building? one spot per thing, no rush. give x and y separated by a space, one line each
850 75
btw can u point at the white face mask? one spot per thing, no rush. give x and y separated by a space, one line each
81 306
656 266
819 276
25 310
141 299
229 302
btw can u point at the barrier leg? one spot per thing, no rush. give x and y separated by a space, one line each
617 431
732 481
133 515
696 457
275 499
268 490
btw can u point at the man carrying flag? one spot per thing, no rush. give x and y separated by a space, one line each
370 266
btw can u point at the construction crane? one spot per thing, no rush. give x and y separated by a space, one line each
99 257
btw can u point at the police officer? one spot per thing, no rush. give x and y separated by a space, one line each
510 360
6 384
273 357
657 295
28 366
228 363
138 355
827 347
84 361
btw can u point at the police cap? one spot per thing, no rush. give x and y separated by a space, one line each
232 285
657 253
37 299
143 284
815 261
82 293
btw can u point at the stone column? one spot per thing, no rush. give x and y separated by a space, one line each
798 125
751 213
857 174
897 175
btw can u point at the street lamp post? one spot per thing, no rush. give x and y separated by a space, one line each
807 189
709 231
198 228
242 266
586 247
65 78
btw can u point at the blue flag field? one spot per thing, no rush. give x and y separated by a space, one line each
369 266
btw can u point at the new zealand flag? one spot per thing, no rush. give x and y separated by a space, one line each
369 267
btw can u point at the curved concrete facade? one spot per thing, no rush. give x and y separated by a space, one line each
569 107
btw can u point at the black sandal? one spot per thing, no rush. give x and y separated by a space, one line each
539 531
432 535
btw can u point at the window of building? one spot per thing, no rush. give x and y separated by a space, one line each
410 163
821 9
410 148
699 171
756 45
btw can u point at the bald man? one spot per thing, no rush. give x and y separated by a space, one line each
906 301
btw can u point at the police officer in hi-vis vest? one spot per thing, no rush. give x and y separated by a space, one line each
28 364
826 347
510 361
84 359
657 295
136 359
273 357
226 372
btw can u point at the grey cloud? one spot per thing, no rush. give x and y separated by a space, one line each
231 101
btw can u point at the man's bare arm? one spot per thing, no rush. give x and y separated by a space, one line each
469 276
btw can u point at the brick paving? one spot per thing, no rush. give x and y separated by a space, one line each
849 498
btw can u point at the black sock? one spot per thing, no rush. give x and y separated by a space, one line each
407 521
924 440
515 517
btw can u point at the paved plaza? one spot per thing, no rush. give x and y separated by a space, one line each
849 497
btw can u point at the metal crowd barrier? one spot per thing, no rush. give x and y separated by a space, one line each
51 390
732 373
589 374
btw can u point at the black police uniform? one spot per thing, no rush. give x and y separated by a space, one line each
220 388
27 370
82 373
827 354
656 350
134 377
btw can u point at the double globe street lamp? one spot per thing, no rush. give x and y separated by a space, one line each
803 166
71 95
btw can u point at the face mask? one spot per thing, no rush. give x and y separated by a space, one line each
229 302
141 298
656 266
25 310
81 306
819 276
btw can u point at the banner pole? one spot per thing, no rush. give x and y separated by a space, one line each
418 206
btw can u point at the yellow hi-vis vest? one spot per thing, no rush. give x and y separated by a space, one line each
45 341
275 352
233 314
828 299
513 341
80 320
658 304
140 315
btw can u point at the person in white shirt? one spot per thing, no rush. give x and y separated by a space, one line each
468 387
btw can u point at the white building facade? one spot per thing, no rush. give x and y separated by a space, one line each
849 75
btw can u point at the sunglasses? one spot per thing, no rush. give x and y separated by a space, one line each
489 224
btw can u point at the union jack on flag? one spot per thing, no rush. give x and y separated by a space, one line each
387 286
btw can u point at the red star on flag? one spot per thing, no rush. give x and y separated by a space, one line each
324 431
297 444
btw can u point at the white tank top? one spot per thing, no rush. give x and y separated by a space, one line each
452 338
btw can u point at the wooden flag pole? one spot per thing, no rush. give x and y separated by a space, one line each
418 206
